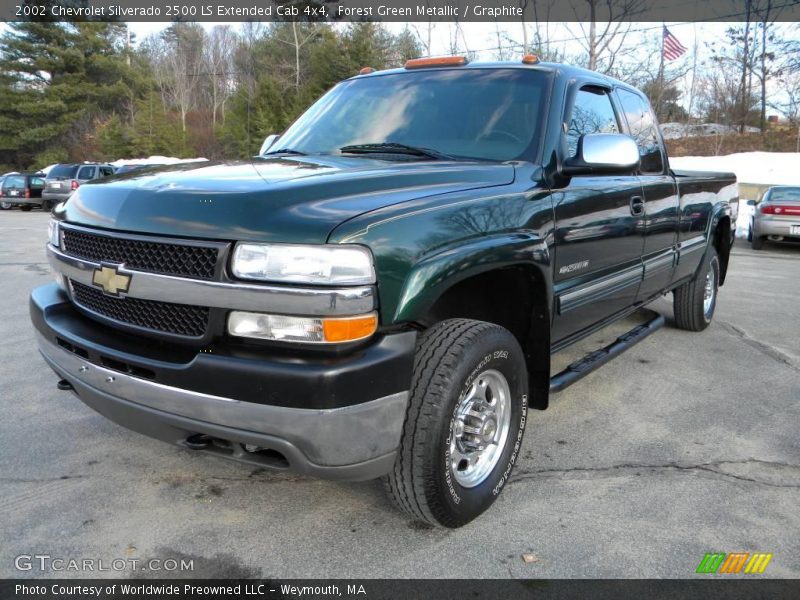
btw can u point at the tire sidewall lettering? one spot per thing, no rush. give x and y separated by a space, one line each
499 355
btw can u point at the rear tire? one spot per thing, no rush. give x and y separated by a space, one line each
6 206
25 207
756 241
695 301
464 425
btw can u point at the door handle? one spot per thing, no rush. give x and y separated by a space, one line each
637 206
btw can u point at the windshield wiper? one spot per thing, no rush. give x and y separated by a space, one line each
394 148
286 151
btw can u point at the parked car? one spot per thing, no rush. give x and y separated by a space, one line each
380 292
22 189
63 179
5 204
776 217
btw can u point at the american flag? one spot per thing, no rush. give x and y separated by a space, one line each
670 46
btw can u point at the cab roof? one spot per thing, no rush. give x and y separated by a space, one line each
564 70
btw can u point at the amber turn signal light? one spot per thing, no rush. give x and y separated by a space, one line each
349 329
441 61
530 59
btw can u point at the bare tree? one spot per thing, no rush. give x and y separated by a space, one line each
250 33
300 34
767 13
523 4
425 33
717 96
789 101
603 42
218 61
177 62
502 50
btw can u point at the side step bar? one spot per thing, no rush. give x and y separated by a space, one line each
594 360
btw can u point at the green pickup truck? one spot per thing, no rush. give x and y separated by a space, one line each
379 293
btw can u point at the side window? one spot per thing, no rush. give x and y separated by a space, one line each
106 171
642 125
86 173
37 183
592 113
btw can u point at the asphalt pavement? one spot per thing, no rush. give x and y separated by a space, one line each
686 444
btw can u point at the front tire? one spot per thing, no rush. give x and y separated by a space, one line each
695 301
464 425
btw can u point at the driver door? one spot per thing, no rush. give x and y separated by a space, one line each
599 233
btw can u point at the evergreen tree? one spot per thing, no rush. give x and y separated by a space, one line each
56 78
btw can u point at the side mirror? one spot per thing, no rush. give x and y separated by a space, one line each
603 153
268 142
750 203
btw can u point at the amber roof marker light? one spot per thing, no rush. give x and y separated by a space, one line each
530 59
366 71
441 61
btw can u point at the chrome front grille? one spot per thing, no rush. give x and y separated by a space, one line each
164 258
178 319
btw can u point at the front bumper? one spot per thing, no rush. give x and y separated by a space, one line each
354 438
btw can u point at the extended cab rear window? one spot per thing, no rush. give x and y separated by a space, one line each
65 171
491 114
642 125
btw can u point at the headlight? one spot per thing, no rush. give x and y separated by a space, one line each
52 233
322 265
302 329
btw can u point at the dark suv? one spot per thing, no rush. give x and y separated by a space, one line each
22 189
64 179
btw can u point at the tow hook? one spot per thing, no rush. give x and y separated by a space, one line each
198 441
64 385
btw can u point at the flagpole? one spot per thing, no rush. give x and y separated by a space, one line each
660 74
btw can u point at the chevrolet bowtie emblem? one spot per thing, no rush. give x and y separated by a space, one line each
111 280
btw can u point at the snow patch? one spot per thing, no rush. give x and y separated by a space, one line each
760 168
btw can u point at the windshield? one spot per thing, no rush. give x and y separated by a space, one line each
65 171
490 114
785 195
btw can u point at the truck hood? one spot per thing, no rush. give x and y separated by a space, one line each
279 199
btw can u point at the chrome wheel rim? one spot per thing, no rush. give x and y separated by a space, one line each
480 428
708 296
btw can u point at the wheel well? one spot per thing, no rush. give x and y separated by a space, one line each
722 243
514 298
